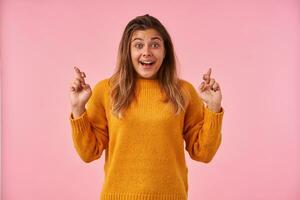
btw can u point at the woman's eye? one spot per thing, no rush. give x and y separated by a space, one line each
155 45
139 45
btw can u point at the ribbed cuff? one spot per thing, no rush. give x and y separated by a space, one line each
213 119
80 124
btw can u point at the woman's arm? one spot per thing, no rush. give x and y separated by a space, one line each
202 129
90 131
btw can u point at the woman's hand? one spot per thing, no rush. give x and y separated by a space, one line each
210 92
80 93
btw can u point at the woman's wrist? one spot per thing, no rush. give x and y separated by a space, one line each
78 112
214 107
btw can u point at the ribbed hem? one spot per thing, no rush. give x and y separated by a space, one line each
80 124
132 196
214 119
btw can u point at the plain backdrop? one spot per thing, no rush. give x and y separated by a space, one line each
252 46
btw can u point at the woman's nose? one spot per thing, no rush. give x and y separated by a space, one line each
147 51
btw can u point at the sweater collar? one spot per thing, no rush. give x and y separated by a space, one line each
147 83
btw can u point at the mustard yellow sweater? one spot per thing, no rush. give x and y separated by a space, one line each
144 151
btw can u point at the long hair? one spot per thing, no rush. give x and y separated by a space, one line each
123 80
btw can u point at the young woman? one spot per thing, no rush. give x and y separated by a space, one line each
142 115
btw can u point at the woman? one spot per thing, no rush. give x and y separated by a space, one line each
142 115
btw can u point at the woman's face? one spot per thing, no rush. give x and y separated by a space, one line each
147 52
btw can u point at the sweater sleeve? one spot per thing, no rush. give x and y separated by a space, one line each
89 131
202 128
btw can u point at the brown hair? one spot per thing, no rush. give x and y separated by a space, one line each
123 80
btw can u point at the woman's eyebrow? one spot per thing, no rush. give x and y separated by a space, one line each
136 39
154 38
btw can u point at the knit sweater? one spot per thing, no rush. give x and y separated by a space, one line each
144 150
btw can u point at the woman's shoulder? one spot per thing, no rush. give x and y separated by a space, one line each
103 83
188 89
186 85
101 89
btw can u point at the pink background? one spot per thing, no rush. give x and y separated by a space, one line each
252 46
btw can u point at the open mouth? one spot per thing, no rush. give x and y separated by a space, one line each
147 63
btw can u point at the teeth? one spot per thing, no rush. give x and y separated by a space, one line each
146 62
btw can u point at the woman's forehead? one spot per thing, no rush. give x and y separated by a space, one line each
147 34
